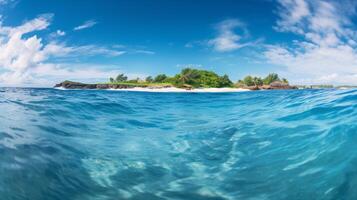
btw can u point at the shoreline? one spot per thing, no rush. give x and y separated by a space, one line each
180 90
168 90
140 87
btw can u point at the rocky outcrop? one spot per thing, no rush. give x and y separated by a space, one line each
76 85
277 85
102 86
252 87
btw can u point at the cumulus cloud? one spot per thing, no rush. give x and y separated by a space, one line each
327 53
85 25
37 24
19 54
227 37
292 13
23 53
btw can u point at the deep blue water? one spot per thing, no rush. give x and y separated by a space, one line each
71 144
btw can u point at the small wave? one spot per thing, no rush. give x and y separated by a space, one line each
82 144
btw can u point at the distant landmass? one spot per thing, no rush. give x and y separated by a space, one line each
191 79
188 79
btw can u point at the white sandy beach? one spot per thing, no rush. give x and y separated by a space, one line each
173 89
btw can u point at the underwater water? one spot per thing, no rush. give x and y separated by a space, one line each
80 144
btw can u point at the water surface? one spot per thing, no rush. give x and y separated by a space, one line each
130 145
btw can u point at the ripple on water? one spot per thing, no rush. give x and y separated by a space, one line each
77 144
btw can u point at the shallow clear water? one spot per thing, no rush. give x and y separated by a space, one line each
114 145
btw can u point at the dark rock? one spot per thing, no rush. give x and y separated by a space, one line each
100 86
76 85
253 88
278 85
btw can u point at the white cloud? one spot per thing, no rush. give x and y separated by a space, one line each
62 50
18 54
85 25
84 72
327 53
37 24
144 52
60 33
292 13
48 74
133 49
24 54
227 38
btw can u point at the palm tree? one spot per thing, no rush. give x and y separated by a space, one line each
188 76
257 81
121 78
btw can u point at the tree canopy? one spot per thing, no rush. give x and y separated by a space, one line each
198 78
149 79
120 78
271 78
257 81
160 78
201 78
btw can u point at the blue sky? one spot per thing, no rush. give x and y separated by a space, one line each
308 42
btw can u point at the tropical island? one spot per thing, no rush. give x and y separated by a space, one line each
188 79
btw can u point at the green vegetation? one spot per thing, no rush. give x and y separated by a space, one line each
149 79
160 78
258 81
196 78
187 78
201 78
271 78
119 78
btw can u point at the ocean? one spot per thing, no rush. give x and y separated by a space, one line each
91 144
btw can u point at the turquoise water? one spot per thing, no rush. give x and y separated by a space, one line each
129 145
